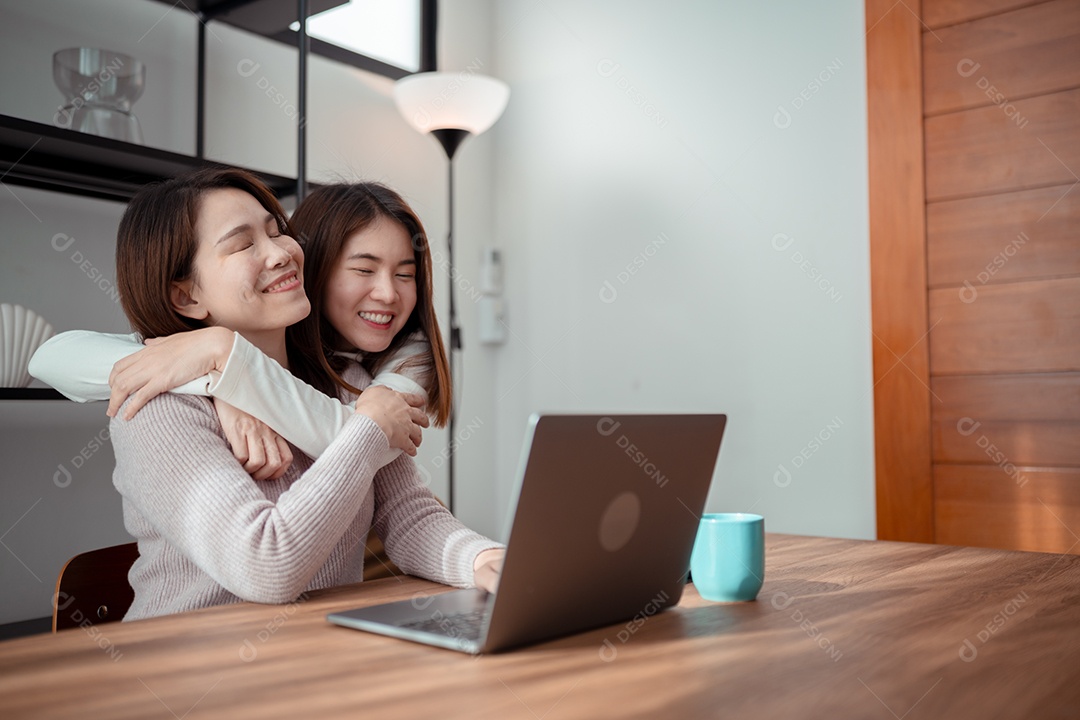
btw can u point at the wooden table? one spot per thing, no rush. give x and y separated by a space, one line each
841 629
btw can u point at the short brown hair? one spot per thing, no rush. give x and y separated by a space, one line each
326 218
156 244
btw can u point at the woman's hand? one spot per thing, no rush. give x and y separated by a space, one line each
487 569
166 363
399 416
264 454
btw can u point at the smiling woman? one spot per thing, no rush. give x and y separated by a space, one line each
373 287
244 254
368 258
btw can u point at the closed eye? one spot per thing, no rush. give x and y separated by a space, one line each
274 227
241 244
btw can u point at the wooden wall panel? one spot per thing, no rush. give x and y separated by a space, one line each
995 60
984 506
1023 235
983 151
939 13
998 287
898 272
1008 328
1024 419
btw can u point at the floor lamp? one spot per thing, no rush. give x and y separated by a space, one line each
451 106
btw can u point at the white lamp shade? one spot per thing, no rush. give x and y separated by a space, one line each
446 100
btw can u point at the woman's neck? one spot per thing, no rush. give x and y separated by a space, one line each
272 343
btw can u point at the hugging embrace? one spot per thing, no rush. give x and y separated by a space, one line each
265 413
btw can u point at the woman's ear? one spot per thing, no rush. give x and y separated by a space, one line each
182 301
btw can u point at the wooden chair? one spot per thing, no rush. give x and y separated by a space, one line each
93 586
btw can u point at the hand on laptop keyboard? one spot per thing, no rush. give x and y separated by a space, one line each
487 568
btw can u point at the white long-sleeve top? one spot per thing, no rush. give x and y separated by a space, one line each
78 364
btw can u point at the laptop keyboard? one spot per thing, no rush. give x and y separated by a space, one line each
460 625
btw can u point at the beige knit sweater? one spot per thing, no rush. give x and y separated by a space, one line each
208 534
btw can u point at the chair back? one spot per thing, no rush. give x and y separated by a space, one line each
93 587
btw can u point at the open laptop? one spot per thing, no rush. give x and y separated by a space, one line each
607 512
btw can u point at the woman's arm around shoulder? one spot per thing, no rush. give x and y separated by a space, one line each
259 386
79 363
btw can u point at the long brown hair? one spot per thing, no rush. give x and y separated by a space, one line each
325 220
156 244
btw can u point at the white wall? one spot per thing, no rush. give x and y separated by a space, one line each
643 159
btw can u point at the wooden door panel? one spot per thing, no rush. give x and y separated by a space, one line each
1008 328
1003 58
1007 419
982 151
983 506
939 13
898 273
989 453
1020 235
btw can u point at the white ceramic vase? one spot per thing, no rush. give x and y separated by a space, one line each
22 332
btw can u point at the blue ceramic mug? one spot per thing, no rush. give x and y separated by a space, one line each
728 561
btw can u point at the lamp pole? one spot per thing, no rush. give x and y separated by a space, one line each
455 334
451 139
303 45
